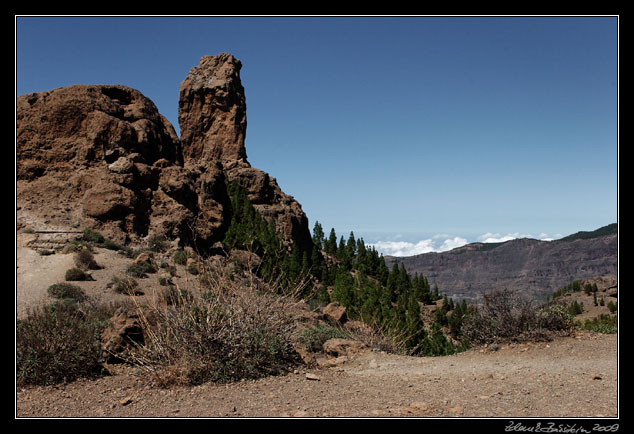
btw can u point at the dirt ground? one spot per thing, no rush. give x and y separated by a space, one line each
570 377
574 377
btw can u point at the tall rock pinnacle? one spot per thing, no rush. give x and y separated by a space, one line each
212 111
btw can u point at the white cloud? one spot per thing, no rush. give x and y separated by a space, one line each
495 238
445 242
499 238
406 248
452 243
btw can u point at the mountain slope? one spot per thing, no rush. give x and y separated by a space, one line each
537 268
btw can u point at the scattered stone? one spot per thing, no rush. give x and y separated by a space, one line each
125 401
312 377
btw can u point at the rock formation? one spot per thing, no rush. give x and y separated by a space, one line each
212 111
103 157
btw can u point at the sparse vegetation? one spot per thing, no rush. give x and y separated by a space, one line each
180 257
141 269
66 291
85 260
157 243
193 269
612 307
126 285
111 245
91 236
59 343
604 323
76 274
314 338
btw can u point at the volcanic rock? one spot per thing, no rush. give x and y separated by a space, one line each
124 331
335 312
212 111
103 157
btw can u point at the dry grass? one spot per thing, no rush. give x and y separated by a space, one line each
232 326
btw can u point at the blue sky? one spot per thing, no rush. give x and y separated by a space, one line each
417 133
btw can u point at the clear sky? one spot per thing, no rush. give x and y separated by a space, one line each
416 133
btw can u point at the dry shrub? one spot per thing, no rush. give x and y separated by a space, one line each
507 316
236 329
85 260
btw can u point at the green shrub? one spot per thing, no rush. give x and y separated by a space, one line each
612 306
157 243
141 269
602 324
111 245
58 343
85 260
75 274
92 236
314 338
66 291
127 285
180 257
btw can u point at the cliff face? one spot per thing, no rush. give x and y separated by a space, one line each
103 157
535 268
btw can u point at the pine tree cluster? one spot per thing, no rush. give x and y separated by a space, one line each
371 292
351 273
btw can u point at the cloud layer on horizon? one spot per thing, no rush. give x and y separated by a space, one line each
443 243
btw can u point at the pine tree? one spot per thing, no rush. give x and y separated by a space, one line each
331 243
344 291
416 333
318 236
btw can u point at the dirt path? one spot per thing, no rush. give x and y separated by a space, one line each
570 377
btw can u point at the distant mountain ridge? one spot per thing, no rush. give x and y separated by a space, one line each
534 267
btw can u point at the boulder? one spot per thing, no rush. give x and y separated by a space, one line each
124 331
338 347
335 312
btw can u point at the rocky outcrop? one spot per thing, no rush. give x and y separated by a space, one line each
103 157
83 126
212 117
212 111
86 155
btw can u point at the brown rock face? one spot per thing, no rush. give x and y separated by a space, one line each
81 126
103 157
124 330
212 111
212 117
